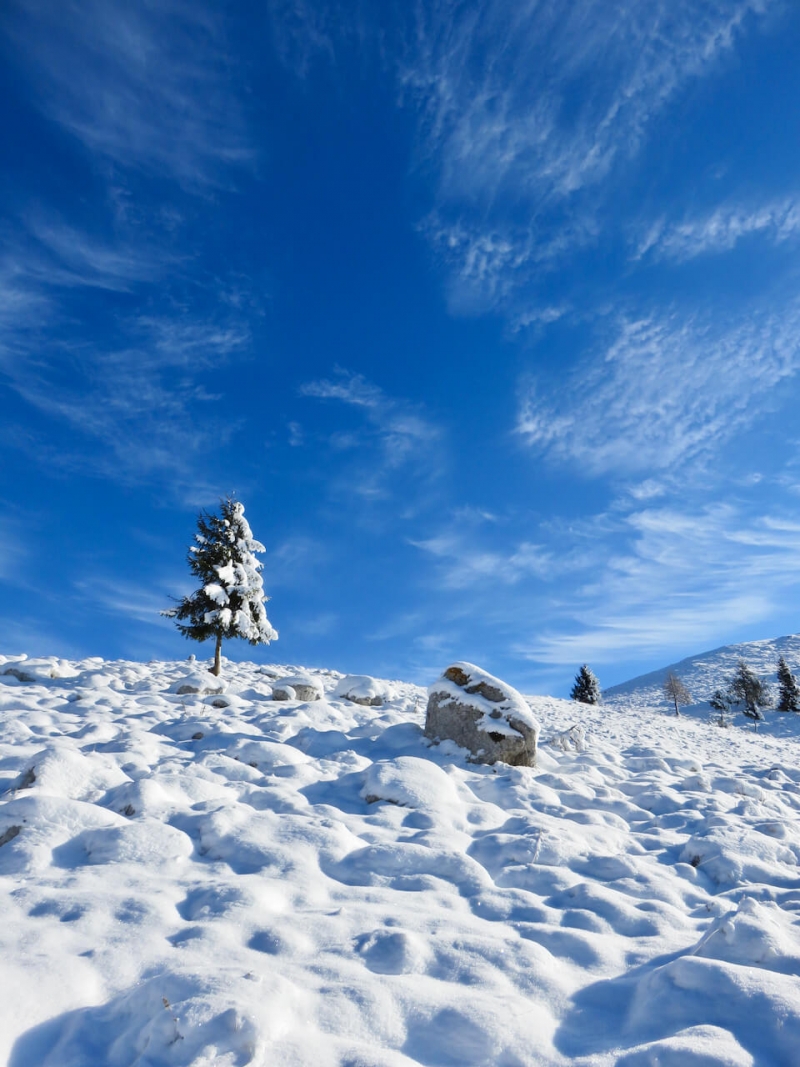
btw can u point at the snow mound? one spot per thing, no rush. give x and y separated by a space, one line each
696 1046
38 670
571 740
170 1018
361 689
410 782
731 851
200 682
300 686
755 935
59 770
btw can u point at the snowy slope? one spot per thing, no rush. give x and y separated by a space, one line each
225 879
708 671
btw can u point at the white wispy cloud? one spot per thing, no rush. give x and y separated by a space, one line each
463 564
663 392
499 83
304 30
55 253
396 436
142 401
23 309
350 388
146 85
44 261
511 132
524 110
653 582
649 489
183 340
294 562
720 230
318 625
135 387
127 599
491 258
678 579
14 551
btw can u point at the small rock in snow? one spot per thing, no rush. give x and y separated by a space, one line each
203 683
297 687
361 689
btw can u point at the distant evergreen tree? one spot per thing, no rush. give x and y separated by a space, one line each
748 689
230 600
676 691
721 702
586 689
788 691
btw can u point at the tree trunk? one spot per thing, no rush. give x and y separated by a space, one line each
217 667
676 706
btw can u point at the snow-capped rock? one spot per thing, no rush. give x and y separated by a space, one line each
480 713
299 686
361 689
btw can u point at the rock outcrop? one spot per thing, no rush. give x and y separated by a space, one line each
483 714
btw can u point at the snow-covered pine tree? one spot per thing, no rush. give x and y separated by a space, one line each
721 702
788 691
586 689
230 600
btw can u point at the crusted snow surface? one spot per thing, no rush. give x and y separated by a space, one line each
196 879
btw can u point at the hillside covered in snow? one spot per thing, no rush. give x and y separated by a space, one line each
704 673
196 873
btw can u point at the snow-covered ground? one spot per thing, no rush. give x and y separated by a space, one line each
224 879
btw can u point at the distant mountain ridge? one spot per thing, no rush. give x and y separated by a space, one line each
711 670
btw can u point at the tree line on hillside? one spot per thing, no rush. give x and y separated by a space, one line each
744 690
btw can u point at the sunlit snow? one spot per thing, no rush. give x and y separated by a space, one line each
195 873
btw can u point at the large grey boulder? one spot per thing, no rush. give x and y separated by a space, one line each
482 714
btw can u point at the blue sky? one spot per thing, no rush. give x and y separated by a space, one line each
488 312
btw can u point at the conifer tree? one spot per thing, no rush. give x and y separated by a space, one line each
230 600
748 689
788 691
586 689
720 702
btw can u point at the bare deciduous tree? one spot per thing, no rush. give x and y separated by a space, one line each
676 691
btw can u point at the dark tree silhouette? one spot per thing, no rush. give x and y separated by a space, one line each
788 691
586 689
